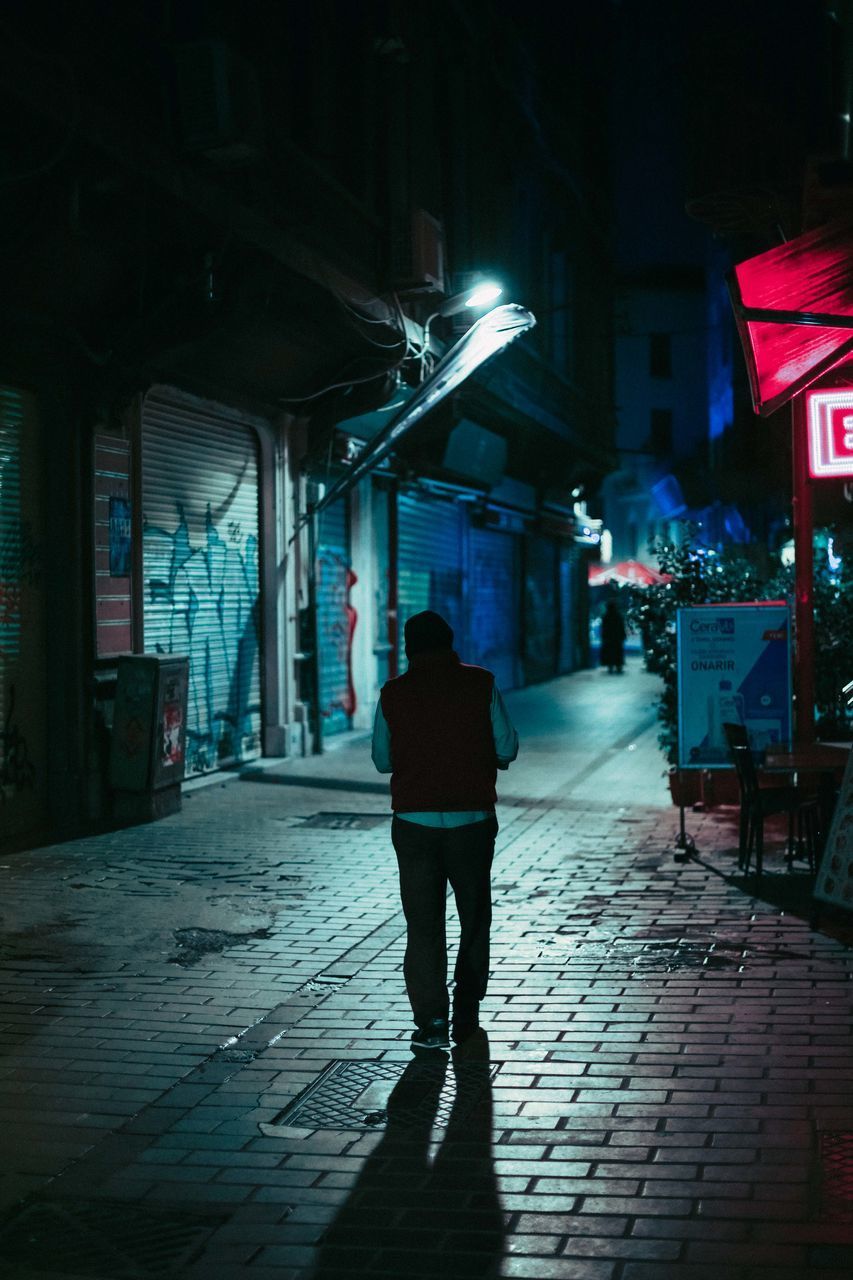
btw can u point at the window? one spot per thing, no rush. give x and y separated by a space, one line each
660 355
660 439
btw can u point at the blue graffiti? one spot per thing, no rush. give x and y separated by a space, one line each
203 602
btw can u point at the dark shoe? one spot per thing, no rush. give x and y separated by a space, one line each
474 1049
465 1024
432 1035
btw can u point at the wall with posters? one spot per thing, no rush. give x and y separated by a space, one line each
734 665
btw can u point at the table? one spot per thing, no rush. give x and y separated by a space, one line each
822 762
809 757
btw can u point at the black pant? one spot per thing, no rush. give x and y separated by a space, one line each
428 857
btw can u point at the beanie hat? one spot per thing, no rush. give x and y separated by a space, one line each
425 631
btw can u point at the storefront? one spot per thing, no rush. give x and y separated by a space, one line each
336 618
430 551
541 608
23 619
200 566
494 604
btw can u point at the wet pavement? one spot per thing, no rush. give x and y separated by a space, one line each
204 1061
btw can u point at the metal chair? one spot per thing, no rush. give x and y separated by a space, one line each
758 803
737 736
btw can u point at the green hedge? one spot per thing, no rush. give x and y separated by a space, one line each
702 577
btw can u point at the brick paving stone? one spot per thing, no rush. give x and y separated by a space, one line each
668 1042
557 1269
607 1247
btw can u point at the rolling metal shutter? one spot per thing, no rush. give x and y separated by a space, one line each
429 559
493 604
540 608
25 614
11 528
200 567
567 658
335 618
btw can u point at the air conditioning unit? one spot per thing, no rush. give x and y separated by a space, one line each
417 253
476 453
218 102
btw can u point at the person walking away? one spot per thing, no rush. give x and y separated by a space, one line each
442 731
612 639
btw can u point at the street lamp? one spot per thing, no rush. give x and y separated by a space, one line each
486 337
475 298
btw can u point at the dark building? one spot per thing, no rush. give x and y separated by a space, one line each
723 119
226 230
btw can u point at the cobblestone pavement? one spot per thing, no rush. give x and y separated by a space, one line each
661 1089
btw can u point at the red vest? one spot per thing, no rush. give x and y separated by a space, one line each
442 746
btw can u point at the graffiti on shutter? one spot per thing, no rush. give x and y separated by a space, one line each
200 560
336 618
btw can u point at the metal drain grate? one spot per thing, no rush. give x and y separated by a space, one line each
346 821
358 1095
107 1238
835 1152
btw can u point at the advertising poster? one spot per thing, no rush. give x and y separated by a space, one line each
835 876
119 538
172 719
734 666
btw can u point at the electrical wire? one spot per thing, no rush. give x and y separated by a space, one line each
386 323
355 312
349 382
410 351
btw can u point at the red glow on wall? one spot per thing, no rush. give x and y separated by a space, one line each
830 421
811 274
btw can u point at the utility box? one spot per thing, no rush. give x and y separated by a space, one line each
148 752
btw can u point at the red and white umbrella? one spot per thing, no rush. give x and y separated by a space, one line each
625 573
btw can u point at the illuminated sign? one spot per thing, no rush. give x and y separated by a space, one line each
830 419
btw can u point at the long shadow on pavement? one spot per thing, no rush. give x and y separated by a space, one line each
309 782
409 1216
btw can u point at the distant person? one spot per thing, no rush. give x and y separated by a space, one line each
612 639
442 731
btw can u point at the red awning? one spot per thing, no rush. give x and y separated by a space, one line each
794 311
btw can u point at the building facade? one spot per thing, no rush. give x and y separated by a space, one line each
226 238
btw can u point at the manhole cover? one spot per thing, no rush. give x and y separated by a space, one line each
835 1152
106 1238
346 821
373 1095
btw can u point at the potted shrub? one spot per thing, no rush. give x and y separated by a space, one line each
698 575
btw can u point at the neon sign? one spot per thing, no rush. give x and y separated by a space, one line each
830 420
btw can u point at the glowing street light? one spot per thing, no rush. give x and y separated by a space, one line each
474 299
488 335
480 295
